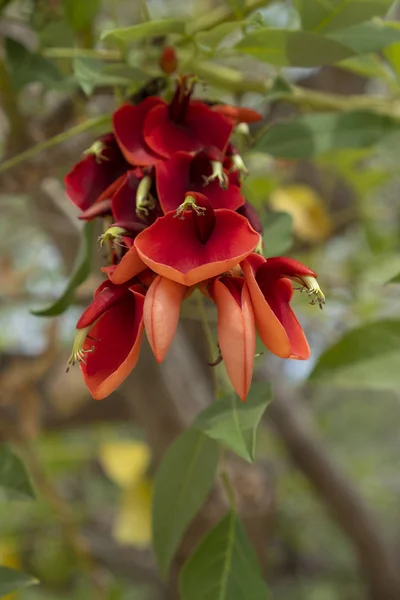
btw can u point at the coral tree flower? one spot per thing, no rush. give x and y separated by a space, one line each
108 338
103 163
153 130
201 243
202 172
270 282
236 332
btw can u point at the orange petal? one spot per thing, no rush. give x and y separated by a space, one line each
130 265
270 330
161 314
236 336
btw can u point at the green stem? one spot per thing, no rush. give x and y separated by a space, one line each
57 139
70 53
228 489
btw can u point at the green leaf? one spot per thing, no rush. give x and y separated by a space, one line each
12 580
368 65
322 15
366 37
395 279
14 480
145 30
233 422
367 357
310 135
224 566
238 7
209 40
26 67
278 233
183 482
91 73
285 48
80 13
81 271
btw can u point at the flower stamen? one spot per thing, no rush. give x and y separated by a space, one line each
78 353
97 149
189 202
112 237
144 200
239 166
217 173
310 286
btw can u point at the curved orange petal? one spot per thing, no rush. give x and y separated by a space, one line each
130 265
270 329
161 314
236 335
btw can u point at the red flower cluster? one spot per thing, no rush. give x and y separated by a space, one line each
170 181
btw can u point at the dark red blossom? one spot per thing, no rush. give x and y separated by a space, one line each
154 129
100 167
108 337
185 172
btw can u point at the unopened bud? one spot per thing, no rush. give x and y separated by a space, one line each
168 60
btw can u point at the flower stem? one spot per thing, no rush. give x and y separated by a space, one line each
57 139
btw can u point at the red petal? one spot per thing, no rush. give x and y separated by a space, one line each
128 127
184 173
270 330
278 294
240 114
172 248
130 265
88 179
161 314
251 214
98 209
211 128
236 335
281 266
120 332
105 296
166 137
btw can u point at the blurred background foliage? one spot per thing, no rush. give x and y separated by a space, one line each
323 166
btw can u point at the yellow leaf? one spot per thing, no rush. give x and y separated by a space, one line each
133 522
125 462
311 221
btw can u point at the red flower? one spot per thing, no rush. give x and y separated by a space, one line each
154 130
101 166
202 173
271 289
108 338
201 244
236 332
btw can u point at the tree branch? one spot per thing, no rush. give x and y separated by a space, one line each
294 425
